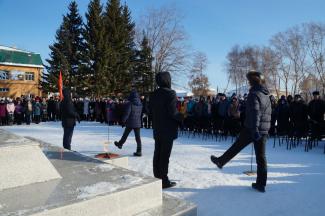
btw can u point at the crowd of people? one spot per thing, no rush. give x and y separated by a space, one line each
291 116
250 118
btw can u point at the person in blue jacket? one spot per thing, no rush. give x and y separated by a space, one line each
131 119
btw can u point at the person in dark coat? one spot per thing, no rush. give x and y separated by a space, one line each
316 109
299 117
51 109
256 127
165 122
273 115
69 117
131 119
282 117
3 112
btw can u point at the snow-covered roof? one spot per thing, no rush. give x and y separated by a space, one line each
14 49
183 93
15 57
22 65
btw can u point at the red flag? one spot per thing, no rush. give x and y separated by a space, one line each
60 85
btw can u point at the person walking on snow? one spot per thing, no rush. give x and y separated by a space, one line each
132 120
256 127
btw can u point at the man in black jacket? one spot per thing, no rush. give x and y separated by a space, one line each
316 110
165 121
69 116
256 127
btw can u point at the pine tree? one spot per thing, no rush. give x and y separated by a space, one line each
56 62
143 74
65 53
129 51
120 37
95 53
113 23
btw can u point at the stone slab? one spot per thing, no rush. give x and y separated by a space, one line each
88 187
120 162
22 162
172 207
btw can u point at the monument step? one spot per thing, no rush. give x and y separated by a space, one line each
87 187
172 207
22 162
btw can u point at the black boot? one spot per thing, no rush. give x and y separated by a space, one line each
168 184
137 154
216 161
259 188
118 145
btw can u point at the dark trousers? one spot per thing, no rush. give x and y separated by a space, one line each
137 137
244 140
316 130
28 118
37 119
163 149
67 136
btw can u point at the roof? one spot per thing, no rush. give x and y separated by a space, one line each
15 57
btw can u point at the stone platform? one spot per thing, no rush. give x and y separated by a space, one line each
89 187
22 162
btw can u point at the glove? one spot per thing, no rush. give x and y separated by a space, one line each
257 136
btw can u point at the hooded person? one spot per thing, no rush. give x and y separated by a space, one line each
165 122
132 120
316 111
69 117
256 126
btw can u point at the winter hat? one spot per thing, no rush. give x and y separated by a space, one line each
297 96
255 77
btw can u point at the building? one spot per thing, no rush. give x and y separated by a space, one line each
20 72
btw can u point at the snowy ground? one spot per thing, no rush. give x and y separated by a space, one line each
296 183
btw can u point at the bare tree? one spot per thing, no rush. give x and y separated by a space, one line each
199 82
291 48
167 39
234 67
270 65
315 41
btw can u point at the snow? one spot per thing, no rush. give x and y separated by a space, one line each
107 187
96 189
295 178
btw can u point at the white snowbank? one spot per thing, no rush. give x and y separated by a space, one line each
296 179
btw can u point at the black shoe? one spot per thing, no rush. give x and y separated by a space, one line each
137 154
118 145
169 184
259 188
216 161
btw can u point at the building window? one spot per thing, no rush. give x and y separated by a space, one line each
29 76
4 75
17 75
4 89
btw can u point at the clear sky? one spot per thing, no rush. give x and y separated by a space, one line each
213 26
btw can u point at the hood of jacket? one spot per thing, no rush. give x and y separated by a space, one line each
260 88
134 98
163 80
66 94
